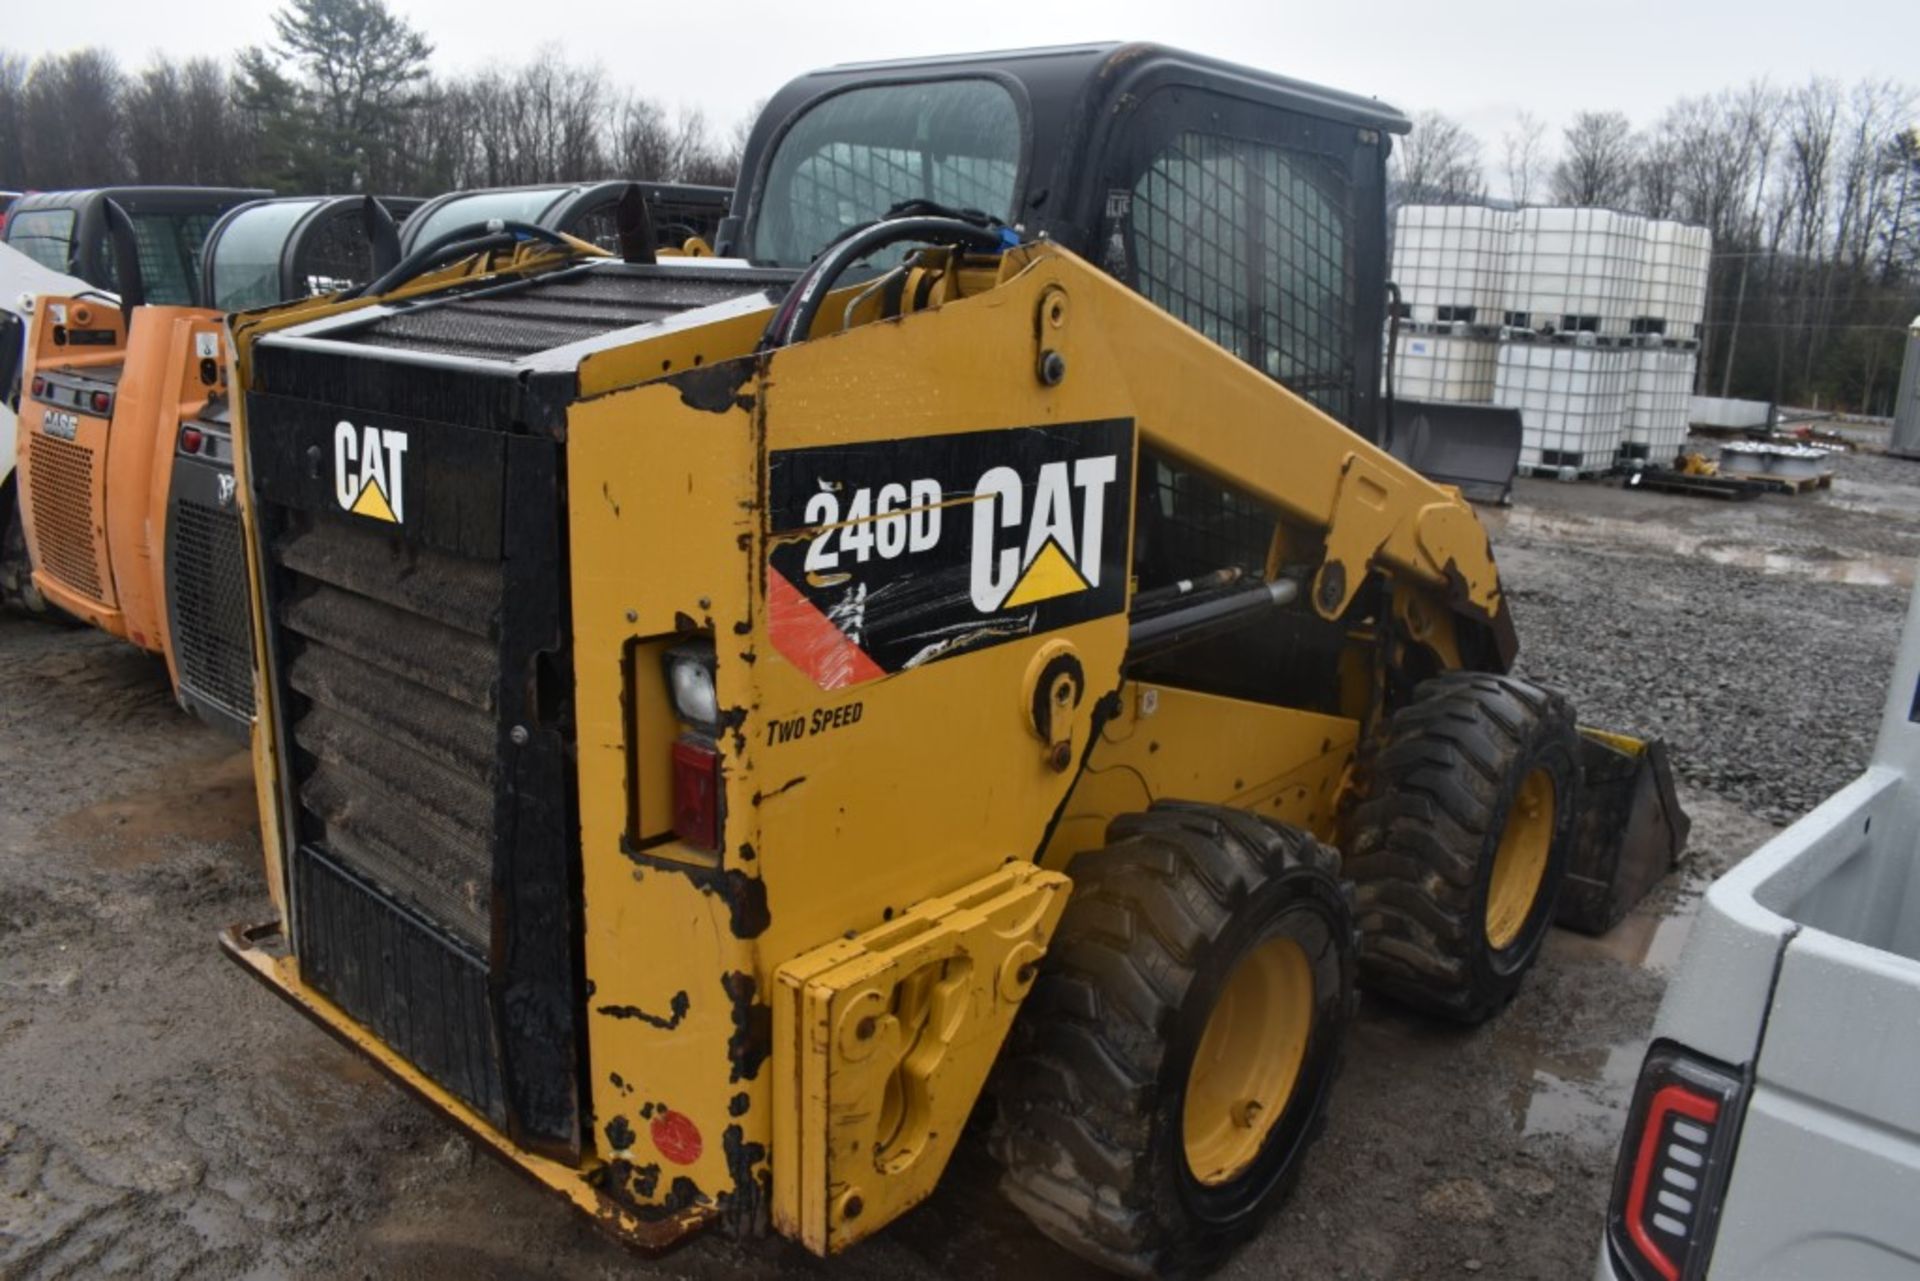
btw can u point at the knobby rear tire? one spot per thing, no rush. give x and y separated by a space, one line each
1092 1089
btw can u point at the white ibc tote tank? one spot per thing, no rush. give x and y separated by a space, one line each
1906 410
1572 402
1576 269
1674 282
1450 262
1659 393
1444 367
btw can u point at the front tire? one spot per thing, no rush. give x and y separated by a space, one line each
1459 848
1174 1060
16 567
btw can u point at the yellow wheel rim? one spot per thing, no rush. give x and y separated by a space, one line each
1520 862
1249 1058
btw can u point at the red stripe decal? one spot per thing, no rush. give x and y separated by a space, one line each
809 640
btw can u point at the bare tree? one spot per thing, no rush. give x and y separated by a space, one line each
557 109
13 113
1657 176
1438 164
643 139
1523 158
182 125
72 131
1597 163
154 102
1900 237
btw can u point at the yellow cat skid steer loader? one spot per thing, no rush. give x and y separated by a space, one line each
723 718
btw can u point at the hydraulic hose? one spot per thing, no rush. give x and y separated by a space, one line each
795 316
461 242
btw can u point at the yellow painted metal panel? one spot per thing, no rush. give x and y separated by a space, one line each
894 1032
1169 744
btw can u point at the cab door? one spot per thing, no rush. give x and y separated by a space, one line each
1262 228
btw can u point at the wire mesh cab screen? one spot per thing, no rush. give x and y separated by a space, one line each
850 157
337 254
169 246
1240 220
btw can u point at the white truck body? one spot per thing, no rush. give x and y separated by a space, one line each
21 281
1803 974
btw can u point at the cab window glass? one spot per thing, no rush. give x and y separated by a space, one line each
483 206
44 235
853 156
1251 243
246 259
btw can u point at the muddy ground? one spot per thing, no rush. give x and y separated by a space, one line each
161 1116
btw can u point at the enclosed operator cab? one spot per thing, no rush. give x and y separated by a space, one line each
73 232
125 452
680 212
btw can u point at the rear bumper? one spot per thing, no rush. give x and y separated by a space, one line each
81 606
260 950
1603 1269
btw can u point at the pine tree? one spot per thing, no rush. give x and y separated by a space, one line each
365 69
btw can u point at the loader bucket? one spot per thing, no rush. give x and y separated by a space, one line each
1629 834
1472 447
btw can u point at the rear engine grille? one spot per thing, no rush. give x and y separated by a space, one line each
212 633
509 325
420 670
419 992
63 512
394 654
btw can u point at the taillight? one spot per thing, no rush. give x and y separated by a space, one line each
39 386
101 402
696 794
1673 1165
190 439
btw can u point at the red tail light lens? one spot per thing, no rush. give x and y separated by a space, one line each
1674 1165
39 386
101 402
696 794
190 439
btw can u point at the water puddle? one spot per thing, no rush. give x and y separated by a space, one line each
1866 571
1584 1094
1822 566
1581 1097
1644 940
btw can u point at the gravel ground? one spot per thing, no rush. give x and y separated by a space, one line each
1755 637
162 1116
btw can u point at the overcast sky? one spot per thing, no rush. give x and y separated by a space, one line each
1477 60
